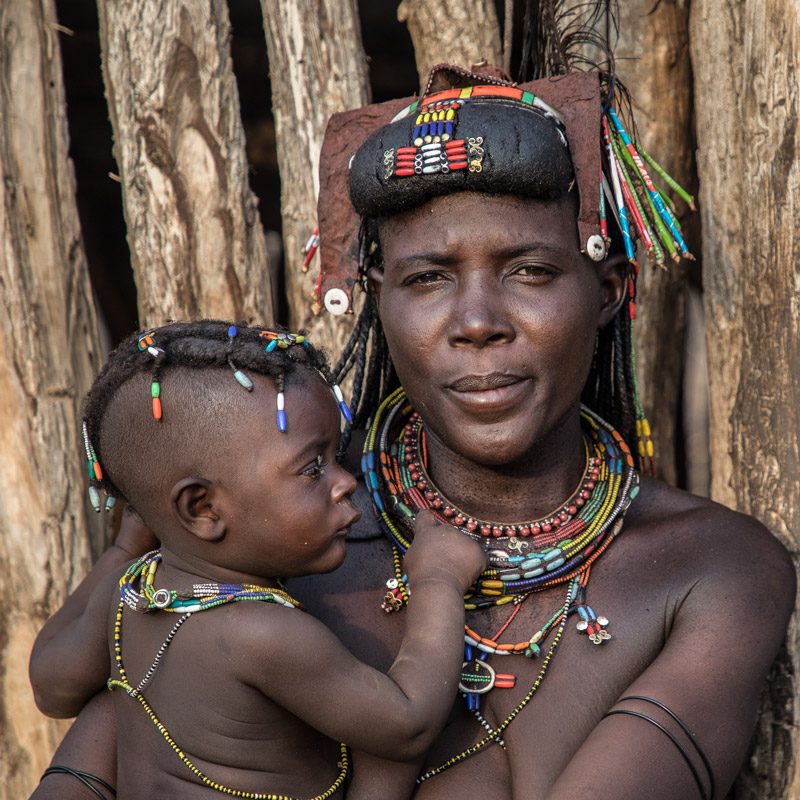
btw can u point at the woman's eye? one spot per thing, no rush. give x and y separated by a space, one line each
535 271
315 470
424 278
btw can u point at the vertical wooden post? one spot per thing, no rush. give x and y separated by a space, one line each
317 67
462 32
747 91
197 245
49 355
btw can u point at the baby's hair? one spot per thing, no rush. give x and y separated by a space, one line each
274 353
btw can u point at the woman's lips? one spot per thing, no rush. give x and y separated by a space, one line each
494 392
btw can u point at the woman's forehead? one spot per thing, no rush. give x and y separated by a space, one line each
490 221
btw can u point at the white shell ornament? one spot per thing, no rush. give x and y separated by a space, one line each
336 301
596 247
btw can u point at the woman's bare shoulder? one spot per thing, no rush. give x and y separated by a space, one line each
712 541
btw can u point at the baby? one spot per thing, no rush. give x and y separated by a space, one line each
224 441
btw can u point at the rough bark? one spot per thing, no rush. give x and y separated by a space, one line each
317 67
196 241
747 92
50 353
462 32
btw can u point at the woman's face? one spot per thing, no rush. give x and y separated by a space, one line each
491 314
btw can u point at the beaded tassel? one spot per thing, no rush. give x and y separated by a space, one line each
310 248
95 470
343 407
155 394
241 378
281 403
636 199
146 344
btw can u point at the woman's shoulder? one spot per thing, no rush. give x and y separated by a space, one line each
721 545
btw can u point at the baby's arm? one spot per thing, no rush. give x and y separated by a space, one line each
70 658
301 665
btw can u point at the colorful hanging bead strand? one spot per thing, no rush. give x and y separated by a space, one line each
142 572
95 470
146 344
241 377
636 198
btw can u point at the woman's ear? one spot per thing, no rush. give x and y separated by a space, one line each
613 276
192 501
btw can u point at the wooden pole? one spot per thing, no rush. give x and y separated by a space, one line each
317 67
197 246
462 32
50 353
747 92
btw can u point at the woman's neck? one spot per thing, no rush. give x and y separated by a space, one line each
527 489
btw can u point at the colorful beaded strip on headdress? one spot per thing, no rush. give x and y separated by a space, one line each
432 149
146 343
137 592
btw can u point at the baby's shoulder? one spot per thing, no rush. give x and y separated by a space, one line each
265 631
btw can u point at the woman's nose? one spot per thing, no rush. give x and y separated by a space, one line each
479 318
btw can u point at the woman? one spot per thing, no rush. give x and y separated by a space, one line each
499 318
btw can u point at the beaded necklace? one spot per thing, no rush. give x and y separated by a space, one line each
523 557
137 592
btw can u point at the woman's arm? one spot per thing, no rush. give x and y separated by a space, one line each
69 661
709 675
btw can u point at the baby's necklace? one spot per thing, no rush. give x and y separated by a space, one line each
138 593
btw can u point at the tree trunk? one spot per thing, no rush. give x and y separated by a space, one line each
197 245
317 67
747 88
653 61
49 356
462 32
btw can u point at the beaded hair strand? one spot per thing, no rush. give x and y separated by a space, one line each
206 344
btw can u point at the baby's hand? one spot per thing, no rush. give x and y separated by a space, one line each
442 552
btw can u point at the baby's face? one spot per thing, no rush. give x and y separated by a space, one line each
291 509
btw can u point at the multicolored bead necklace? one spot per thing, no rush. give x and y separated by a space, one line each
138 593
523 557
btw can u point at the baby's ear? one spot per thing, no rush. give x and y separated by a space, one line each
192 500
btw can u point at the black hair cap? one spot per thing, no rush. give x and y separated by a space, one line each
524 148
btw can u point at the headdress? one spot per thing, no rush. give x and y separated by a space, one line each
571 128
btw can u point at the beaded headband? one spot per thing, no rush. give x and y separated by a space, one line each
146 344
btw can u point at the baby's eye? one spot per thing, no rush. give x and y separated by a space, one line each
316 469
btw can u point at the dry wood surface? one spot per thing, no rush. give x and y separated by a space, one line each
197 245
747 99
50 352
